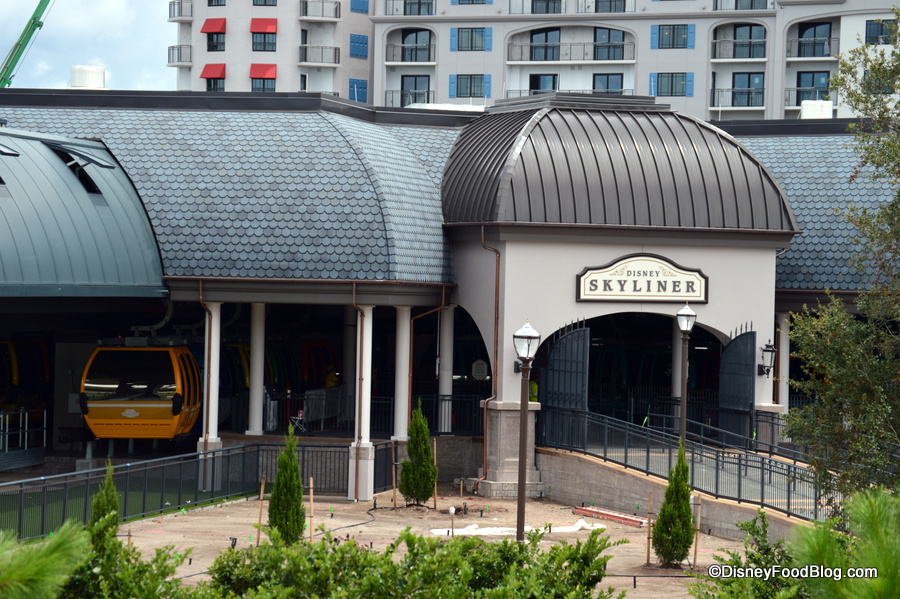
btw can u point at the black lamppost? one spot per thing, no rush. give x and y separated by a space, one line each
526 341
686 319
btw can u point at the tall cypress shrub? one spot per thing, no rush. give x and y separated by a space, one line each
287 514
419 473
673 532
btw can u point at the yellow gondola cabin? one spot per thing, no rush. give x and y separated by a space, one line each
140 392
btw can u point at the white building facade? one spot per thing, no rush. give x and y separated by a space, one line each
714 59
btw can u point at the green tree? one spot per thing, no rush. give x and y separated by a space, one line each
113 570
873 520
850 363
673 531
759 552
286 511
418 474
38 570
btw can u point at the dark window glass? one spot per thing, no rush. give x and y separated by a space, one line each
416 45
747 89
541 83
673 36
470 86
216 3
215 85
812 85
608 83
609 44
546 7
749 41
264 42
881 32
815 40
471 39
215 42
262 85
545 44
671 84
265 2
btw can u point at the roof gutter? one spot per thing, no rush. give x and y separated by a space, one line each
484 442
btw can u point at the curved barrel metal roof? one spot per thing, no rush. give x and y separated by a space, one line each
71 222
612 167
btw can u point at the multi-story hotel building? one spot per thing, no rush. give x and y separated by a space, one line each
715 59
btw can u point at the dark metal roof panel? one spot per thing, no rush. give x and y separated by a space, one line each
60 238
609 167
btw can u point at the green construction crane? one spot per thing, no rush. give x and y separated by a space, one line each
18 49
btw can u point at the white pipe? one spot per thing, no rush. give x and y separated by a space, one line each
257 368
445 370
214 324
401 376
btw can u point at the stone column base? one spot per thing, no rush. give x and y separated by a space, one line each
534 489
365 474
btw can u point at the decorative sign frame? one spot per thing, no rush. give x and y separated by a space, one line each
642 278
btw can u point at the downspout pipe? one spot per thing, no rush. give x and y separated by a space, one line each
494 378
412 330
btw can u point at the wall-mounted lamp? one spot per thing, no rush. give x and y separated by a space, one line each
768 359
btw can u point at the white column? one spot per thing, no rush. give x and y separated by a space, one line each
401 374
784 359
445 370
362 453
211 380
257 367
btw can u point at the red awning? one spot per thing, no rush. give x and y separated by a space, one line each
263 25
213 26
213 71
263 71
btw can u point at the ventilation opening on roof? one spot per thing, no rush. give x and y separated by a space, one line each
7 151
78 169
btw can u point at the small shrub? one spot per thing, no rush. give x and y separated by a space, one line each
286 511
419 473
673 532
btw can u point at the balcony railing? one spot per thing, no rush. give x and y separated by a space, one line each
577 51
742 4
409 53
793 96
814 47
181 9
604 6
405 97
738 98
409 7
320 9
537 7
320 54
521 93
179 55
739 49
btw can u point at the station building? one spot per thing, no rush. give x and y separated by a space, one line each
403 248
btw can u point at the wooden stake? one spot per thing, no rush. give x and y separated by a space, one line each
461 481
262 491
697 534
434 455
649 523
394 471
312 510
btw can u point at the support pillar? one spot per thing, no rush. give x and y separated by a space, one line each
257 367
210 439
783 369
675 380
402 367
445 370
362 454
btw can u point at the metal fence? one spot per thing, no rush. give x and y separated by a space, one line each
724 473
33 508
23 437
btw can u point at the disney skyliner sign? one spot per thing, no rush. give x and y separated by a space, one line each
644 278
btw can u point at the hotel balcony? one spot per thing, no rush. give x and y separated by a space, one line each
570 52
738 98
320 55
421 53
793 96
604 6
181 11
738 49
404 97
179 56
537 7
521 93
315 10
814 47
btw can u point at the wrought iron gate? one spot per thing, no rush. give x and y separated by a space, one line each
737 385
564 383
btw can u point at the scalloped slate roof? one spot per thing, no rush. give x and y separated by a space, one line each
815 174
276 195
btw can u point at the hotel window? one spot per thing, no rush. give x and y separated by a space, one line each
881 32
265 2
471 39
215 3
470 86
264 42
812 85
671 84
749 41
215 42
667 37
608 83
215 85
262 85
545 44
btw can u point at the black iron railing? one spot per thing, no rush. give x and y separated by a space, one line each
722 472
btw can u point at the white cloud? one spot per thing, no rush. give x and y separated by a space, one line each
128 37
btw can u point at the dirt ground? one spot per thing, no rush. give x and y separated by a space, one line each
209 531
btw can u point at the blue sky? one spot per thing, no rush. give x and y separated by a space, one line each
127 37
